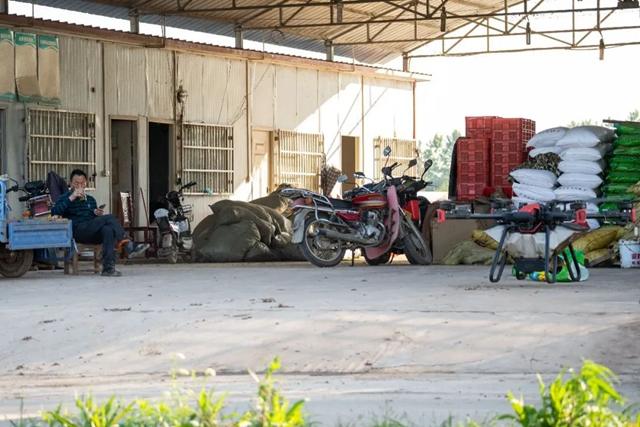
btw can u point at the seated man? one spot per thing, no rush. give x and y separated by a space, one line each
92 226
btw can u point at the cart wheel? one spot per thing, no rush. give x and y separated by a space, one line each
520 275
15 263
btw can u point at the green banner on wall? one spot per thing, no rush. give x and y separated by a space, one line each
27 67
49 69
7 66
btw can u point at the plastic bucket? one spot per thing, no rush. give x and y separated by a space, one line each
629 254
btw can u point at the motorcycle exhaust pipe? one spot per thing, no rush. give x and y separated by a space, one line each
332 234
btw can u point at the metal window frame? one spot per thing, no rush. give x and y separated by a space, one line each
87 161
398 154
285 167
211 170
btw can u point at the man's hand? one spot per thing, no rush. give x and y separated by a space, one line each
77 194
98 212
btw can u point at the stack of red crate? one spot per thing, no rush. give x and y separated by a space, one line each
493 147
508 148
472 174
479 127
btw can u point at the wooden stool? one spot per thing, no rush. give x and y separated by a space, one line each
72 266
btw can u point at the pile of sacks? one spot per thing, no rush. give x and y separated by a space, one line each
246 231
583 162
565 165
624 170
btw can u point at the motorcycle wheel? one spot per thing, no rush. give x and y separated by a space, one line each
415 249
15 263
382 259
320 250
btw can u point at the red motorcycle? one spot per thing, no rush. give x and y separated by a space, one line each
372 219
415 206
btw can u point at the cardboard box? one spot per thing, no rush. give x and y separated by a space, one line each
453 231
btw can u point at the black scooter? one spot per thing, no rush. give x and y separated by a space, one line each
174 223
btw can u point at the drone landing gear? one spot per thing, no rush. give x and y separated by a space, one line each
550 264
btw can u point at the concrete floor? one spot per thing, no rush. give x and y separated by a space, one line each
357 341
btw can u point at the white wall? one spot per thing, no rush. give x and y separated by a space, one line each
139 84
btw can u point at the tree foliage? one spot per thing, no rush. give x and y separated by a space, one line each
440 149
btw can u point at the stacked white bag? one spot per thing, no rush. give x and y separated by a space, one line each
545 141
535 185
582 152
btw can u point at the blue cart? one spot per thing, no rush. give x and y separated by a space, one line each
18 239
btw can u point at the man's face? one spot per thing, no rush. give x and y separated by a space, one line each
79 182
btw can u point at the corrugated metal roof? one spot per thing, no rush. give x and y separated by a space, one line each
307 38
194 24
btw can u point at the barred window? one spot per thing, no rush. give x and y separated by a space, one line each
61 141
297 159
207 158
402 151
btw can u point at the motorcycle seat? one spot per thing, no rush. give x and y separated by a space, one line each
341 204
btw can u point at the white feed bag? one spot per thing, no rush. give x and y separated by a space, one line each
530 245
580 166
544 150
580 180
534 193
547 138
590 154
586 136
574 193
535 177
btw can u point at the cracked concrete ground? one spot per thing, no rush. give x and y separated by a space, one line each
422 341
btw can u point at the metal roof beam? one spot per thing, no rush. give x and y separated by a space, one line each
266 7
483 36
596 28
385 13
472 53
472 21
496 15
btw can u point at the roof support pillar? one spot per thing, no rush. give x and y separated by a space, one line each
4 6
237 30
328 45
405 62
134 21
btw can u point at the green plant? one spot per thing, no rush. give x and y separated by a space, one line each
587 398
90 414
272 409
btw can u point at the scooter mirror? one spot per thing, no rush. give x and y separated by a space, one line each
342 178
387 151
359 175
428 164
179 181
412 163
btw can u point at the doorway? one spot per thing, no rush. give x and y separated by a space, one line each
350 163
261 162
124 136
159 163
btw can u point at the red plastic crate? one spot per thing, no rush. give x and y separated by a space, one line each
466 192
503 161
479 127
472 167
500 174
508 147
512 129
